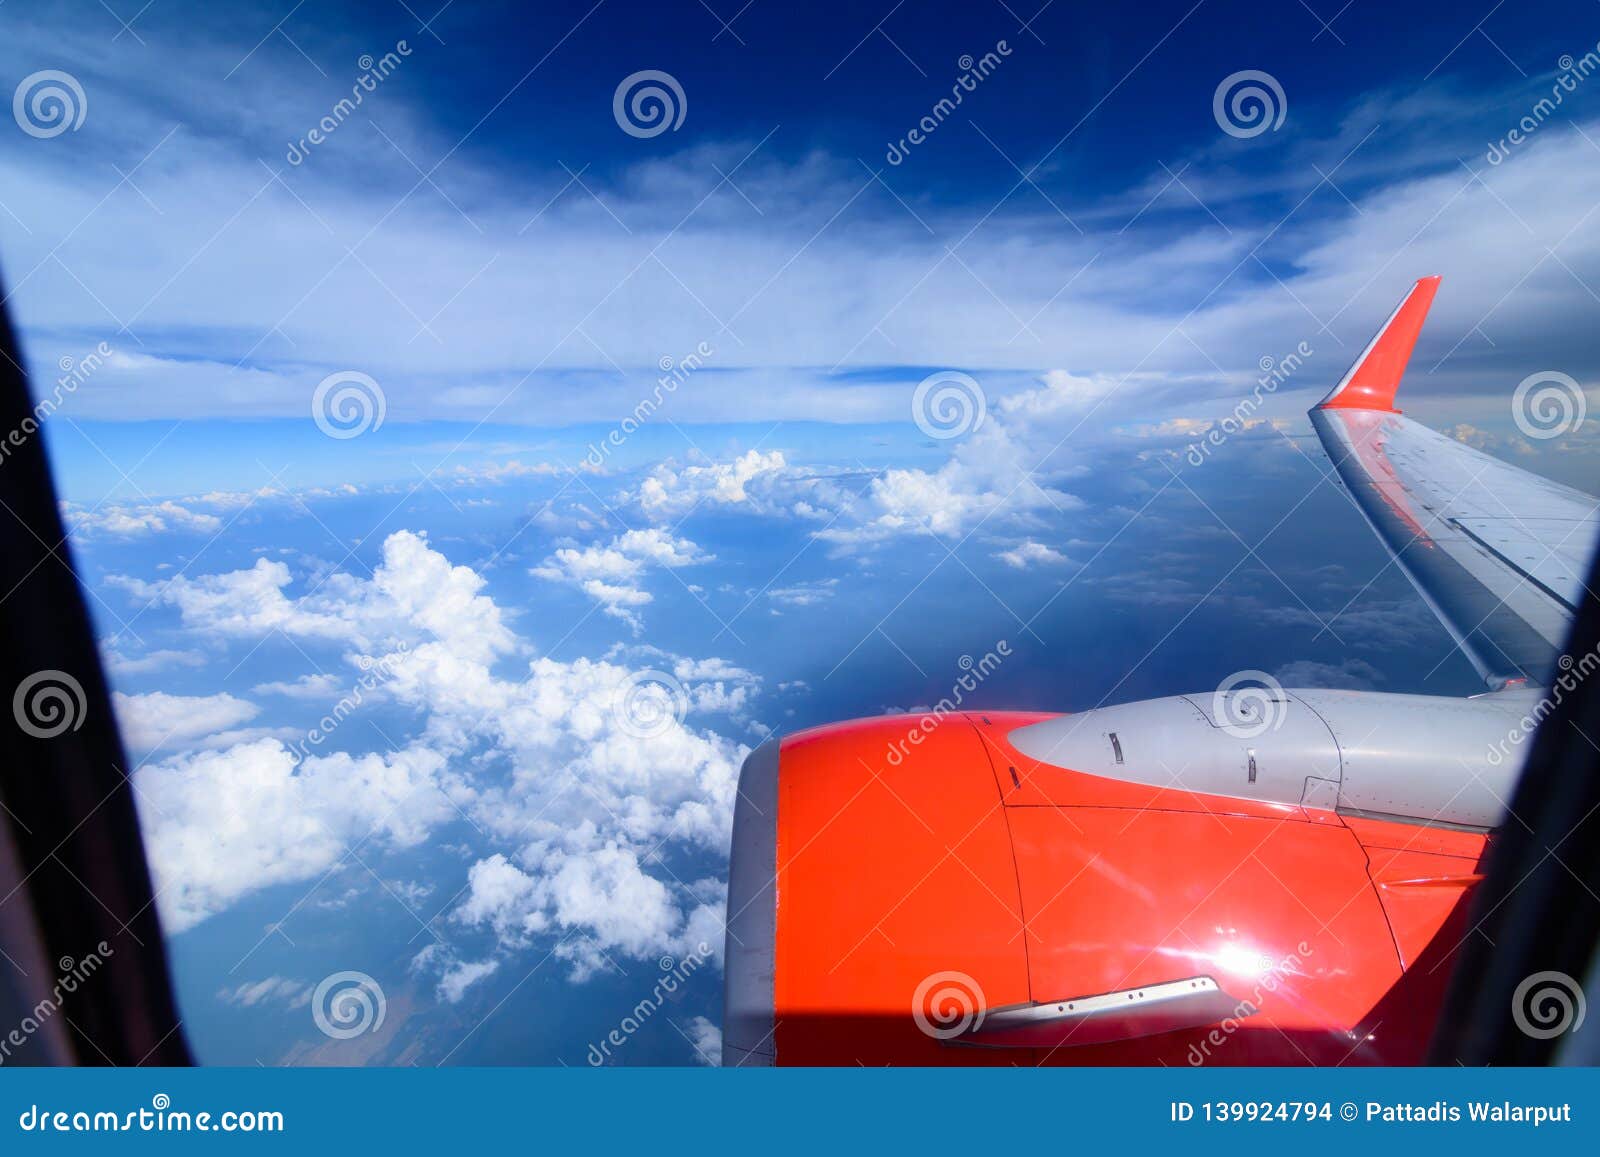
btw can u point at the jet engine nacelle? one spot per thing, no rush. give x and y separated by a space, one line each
1249 877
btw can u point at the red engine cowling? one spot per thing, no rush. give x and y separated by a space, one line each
914 890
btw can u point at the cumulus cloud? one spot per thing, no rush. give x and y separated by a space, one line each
136 520
502 896
223 824
155 719
414 589
1009 470
713 686
203 514
763 483
597 902
1006 471
1059 392
581 797
612 574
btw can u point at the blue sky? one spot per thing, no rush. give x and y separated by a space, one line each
504 274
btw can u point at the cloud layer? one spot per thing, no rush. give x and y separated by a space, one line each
586 799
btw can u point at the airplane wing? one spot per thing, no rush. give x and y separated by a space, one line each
1499 554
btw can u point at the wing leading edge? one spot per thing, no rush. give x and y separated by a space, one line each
1499 554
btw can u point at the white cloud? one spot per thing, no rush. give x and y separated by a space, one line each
834 304
411 893
272 990
151 661
158 720
223 824
597 903
132 521
612 574
1058 393
753 479
570 721
500 895
315 687
807 284
546 761
804 594
1030 553
454 975
1004 471
231 500
707 1041
244 603
414 588
454 983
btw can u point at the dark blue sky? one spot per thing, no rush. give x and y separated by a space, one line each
1146 72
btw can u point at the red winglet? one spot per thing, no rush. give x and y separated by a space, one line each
1371 383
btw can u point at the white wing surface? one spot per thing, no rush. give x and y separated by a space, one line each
1499 554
